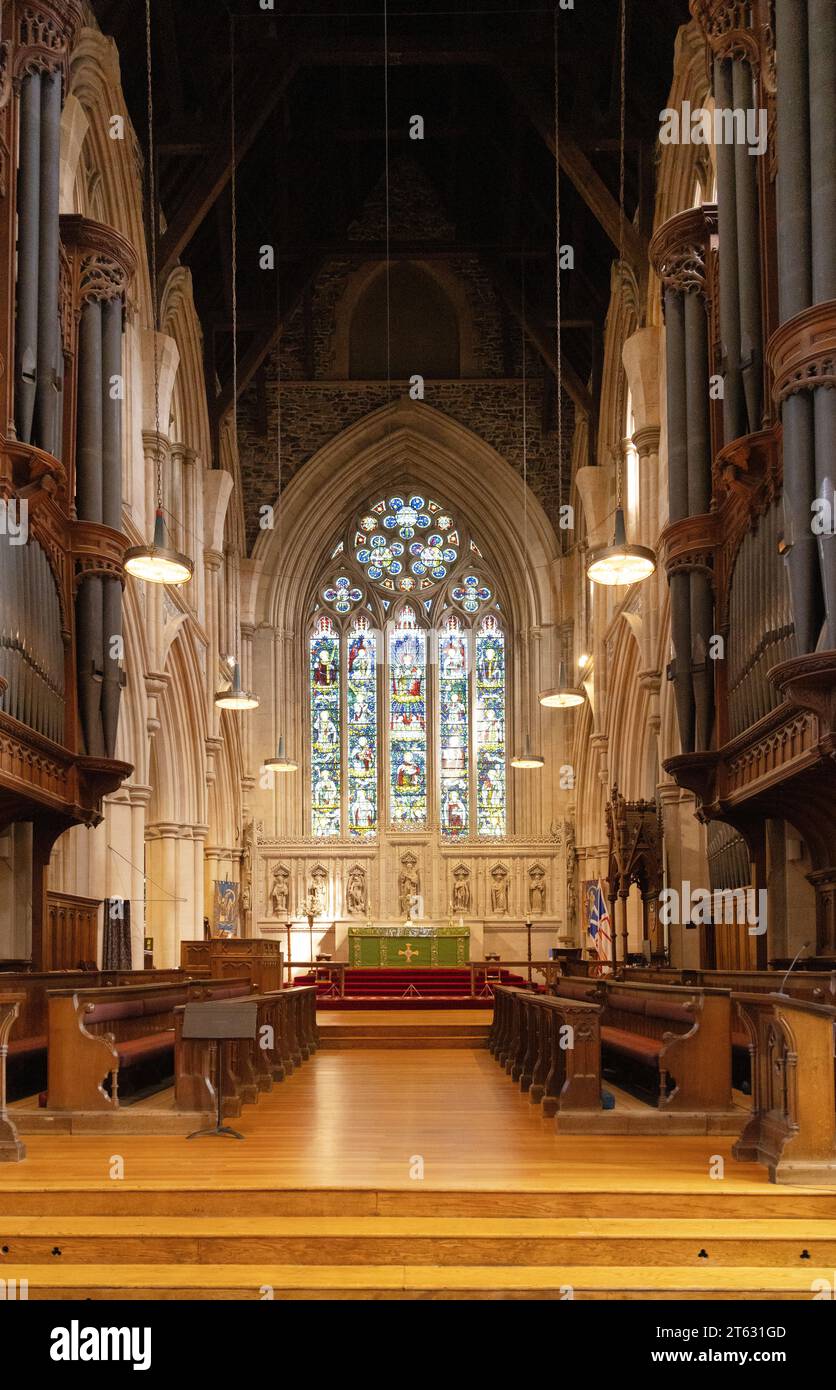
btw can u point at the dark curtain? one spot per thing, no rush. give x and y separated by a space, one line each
116 942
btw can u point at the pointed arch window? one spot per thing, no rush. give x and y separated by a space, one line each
408 677
326 723
408 721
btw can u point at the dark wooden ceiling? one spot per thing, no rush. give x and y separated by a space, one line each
310 95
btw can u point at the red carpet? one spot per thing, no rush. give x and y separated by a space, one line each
410 988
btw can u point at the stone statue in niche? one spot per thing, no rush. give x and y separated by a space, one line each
571 878
409 885
499 891
280 891
537 890
246 899
461 889
317 887
356 898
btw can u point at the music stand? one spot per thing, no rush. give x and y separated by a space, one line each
219 1021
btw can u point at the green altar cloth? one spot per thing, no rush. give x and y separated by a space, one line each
404 946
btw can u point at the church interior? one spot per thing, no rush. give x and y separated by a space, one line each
418 650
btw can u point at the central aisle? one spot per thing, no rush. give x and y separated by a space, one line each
357 1119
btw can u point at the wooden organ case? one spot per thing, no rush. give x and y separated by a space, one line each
749 290
63 293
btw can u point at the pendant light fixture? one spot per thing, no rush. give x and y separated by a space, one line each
527 759
621 563
158 563
280 762
235 698
563 695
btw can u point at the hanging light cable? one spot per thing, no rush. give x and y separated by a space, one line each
564 695
526 759
281 762
621 563
158 563
235 698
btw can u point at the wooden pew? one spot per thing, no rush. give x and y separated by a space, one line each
11 1149
290 1017
93 1033
551 1046
792 1129
28 1049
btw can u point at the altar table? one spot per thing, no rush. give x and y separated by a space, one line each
416 946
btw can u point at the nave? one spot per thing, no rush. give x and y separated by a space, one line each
410 1172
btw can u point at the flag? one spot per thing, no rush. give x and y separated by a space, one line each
598 927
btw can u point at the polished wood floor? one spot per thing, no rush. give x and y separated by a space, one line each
360 1120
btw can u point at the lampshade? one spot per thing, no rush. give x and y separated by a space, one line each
281 763
235 697
527 759
564 695
620 563
158 563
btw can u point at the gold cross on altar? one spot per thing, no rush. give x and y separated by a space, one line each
409 953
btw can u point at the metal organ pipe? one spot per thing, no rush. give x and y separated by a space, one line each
795 294
822 32
748 243
733 403
29 204
48 325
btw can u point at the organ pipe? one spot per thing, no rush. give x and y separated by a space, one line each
733 403
49 373
746 208
29 204
822 31
795 293
794 270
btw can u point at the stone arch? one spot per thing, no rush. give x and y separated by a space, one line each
364 277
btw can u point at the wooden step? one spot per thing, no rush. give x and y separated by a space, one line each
371 1041
408 1028
283 1282
184 1197
391 1241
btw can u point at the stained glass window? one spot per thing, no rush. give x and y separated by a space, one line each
407 543
490 728
408 721
362 729
326 762
430 709
454 721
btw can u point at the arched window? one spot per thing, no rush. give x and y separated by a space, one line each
408 678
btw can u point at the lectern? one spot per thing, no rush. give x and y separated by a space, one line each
220 1021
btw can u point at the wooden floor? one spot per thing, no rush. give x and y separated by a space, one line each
405 1174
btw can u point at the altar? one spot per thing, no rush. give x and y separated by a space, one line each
409 944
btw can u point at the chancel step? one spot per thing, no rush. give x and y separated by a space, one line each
289 1282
